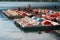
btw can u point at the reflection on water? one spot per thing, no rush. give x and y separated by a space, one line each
8 31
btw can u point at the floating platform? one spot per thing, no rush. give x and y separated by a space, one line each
11 16
14 15
37 27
